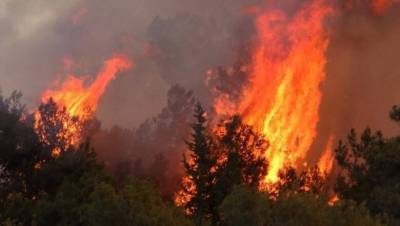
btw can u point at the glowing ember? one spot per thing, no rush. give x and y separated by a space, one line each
80 98
334 199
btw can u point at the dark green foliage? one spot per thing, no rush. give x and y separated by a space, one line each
20 149
225 168
145 206
218 162
38 188
69 166
198 169
245 206
62 187
371 172
241 150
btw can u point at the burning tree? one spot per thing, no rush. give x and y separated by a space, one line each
68 108
240 158
310 180
229 156
56 128
282 95
198 182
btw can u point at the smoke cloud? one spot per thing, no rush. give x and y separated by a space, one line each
40 36
363 74
176 42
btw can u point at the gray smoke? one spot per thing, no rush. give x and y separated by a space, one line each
363 75
177 41
37 34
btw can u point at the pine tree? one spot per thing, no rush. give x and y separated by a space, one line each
370 164
198 169
241 160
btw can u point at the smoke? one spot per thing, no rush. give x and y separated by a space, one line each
177 42
363 74
39 35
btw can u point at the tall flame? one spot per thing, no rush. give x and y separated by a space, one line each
326 162
283 97
80 98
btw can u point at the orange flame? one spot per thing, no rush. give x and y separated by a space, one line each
327 160
79 98
334 199
283 97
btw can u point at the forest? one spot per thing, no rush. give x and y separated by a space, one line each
199 113
46 181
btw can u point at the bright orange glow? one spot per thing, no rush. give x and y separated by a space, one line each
79 97
283 96
327 160
183 196
334 199
379 6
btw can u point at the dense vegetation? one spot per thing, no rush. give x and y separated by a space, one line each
222 173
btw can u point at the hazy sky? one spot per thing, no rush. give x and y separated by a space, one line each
36 35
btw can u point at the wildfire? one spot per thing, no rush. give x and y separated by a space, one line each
327 160
79 97
283 98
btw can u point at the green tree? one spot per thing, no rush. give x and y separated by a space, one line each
246 206
20 152
104 207
198 169
241 160
72 188
145 206
370 171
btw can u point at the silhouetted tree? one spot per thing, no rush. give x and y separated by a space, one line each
246 206
241 160
371 171
170 129
198 169
53 126
72 188
310 180
20 152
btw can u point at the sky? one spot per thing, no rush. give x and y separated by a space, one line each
37 36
